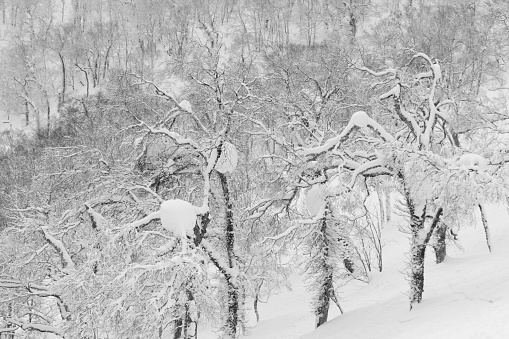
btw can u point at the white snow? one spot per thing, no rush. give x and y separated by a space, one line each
178 216
186 105
395 91
315 199
437 71
467 296
228 160
138 141
473 161
360 119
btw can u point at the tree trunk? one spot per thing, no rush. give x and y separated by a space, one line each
255 306
322 309
27 114
382 209
440 246
62 94
486 228
184 323
388 208
417 247
256 299
326 289
233 298
177 334
417 253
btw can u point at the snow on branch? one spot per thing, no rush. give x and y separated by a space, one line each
231 273
32 326
297 224
365 167
421 55
184 105
394 92
143 221
388 71
359 119
60 248
98 221
211 163
177 138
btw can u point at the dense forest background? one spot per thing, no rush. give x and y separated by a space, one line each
161 161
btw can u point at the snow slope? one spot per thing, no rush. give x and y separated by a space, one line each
467 296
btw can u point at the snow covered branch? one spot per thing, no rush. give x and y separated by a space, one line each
60 248
388 71
35 327
184 106
143 221
231 273
297 224
358 120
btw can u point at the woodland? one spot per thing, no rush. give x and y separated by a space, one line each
167 163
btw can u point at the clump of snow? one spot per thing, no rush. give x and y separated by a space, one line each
170 166
473 161
360 119
315 199
228 160
437 71
178 216
395 91
186 105
138 141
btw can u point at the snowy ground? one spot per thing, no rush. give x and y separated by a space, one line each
465 297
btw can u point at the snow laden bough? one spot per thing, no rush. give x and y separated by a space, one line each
177 216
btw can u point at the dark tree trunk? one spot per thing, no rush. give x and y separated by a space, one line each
257 299
322 309
417 254
177 334
233 298
350 267
255 306
185 326
62 94
326 289
486 228
27 114
418 245
440 246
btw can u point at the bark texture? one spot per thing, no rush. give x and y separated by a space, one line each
233 295
440 246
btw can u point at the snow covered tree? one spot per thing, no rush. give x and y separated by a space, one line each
311 100
413 148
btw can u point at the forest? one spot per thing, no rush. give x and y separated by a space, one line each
167 165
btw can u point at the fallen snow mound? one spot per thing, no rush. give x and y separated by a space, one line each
179 217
